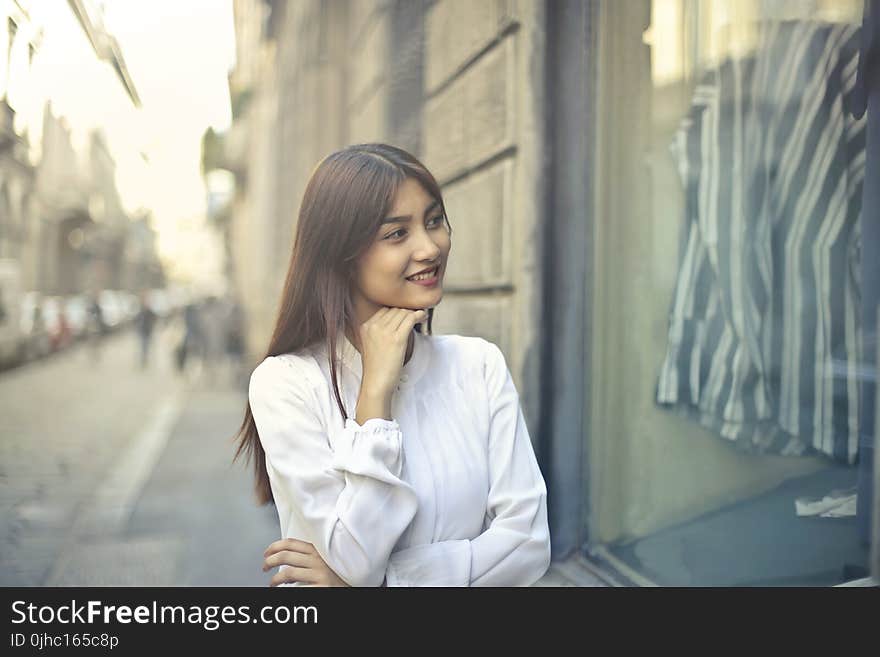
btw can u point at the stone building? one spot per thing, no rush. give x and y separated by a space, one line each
16 189
83 230
61 218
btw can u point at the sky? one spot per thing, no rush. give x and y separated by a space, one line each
178 53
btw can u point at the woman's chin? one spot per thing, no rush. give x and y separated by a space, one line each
412 303
428 299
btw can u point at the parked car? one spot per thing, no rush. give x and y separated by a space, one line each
34 335
112 309
129 304
77 315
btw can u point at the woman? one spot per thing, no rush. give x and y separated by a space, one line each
404 461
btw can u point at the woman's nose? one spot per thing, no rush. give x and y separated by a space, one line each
428 249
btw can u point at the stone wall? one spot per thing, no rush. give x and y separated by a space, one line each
459 84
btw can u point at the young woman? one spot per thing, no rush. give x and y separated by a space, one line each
405 460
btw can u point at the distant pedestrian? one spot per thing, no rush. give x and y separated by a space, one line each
97 327
192 344
145 322
214 328
235 340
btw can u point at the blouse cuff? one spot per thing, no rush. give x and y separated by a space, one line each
361 448
373 425
447 563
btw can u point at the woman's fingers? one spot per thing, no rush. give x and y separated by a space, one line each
294 574
380 316
384 343
291 545
288 558
412 318
392 319
299 559
401 320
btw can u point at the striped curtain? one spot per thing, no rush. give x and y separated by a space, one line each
764 327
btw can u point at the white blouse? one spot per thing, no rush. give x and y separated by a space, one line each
447 493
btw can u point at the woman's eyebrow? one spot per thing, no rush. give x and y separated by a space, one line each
407 217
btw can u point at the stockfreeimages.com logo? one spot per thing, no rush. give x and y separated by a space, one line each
210 617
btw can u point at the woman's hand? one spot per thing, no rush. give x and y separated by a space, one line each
384 339
304 563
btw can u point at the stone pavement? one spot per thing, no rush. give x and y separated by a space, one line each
63 421
194 522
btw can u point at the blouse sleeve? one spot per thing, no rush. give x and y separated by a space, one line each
352 501
515 548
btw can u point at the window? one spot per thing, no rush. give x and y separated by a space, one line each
724 438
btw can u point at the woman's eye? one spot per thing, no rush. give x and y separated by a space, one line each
435 221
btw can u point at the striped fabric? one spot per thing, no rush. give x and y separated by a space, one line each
764 327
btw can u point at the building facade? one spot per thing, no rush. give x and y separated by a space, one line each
61 217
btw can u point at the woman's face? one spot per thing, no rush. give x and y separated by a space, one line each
412 238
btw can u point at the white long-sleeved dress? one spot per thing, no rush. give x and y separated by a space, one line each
447 493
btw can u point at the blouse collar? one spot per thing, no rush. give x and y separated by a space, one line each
410 373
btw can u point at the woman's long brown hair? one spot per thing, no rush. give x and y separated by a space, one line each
345 200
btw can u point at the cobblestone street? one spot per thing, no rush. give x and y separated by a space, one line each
114 475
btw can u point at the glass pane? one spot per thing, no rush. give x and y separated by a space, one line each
725 449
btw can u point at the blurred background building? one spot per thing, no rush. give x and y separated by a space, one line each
63 222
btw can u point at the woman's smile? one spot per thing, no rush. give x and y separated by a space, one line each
428 279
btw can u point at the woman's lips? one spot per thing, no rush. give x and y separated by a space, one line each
428 282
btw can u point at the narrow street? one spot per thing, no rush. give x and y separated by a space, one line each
113 475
